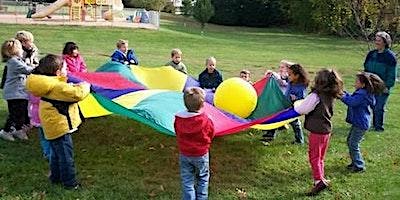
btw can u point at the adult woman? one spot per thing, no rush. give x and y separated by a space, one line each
381 61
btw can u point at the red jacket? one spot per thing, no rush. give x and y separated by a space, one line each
194 133
75 64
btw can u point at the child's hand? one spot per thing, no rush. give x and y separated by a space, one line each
268 72
293 97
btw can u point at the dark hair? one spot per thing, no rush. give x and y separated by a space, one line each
49 65
328 82
373 84
297 69
69 48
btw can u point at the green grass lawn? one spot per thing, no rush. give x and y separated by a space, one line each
118 158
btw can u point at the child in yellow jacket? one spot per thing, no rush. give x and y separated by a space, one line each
59 115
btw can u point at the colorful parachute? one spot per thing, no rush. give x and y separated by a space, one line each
153 95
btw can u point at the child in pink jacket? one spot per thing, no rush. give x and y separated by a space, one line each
72 59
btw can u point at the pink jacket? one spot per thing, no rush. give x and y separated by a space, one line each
75 64
33 109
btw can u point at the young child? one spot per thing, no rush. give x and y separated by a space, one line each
210 78
123 55
245 75
296 90
59 116
29 55
33 108
72 58
318 108
176 61
358 114
194 133
282 75
14 91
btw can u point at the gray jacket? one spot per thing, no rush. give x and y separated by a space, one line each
14 87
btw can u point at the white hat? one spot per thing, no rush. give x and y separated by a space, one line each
385 36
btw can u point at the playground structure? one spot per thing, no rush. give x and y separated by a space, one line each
79 9
110 13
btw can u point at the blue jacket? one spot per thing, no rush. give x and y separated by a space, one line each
128 59
358 103
14 86
299 90
210 81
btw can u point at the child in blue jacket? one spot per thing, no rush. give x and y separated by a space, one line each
124 55
358 114
296 90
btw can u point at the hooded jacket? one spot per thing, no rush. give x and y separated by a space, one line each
194 133
58 107
358 103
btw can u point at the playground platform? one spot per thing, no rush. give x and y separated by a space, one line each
64 20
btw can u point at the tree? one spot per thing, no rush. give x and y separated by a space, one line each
203 11
187 7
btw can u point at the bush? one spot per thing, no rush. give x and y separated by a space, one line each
169 7
187 7
157 5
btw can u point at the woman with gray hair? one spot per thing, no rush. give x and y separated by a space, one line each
382 62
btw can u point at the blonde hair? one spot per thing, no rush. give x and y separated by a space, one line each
176 51
11 47
193 98
211 59
287 63
24 36
121 42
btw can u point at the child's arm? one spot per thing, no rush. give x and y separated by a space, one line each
69 93
117 57
132 57
82 66
20 67
308 104
352 100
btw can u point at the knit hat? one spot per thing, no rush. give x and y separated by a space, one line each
385 36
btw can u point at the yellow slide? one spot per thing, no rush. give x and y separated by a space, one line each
50 9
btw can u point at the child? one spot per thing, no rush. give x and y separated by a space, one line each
33 108
176 61
358 114
282 75
318 108
30 55
210 78
123 55
59 116
194 133
14 91
245 75
72 59
296 90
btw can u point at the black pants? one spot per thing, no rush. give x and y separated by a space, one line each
17 114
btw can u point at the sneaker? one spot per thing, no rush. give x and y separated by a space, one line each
357 169
20 134
350 166
76 186
317 188
6 135
266 139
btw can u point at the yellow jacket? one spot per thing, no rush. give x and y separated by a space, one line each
55 124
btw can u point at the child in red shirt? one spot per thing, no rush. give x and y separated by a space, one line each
194 133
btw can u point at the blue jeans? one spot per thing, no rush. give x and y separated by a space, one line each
194 169
62 161
45 144
379 110
353 142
